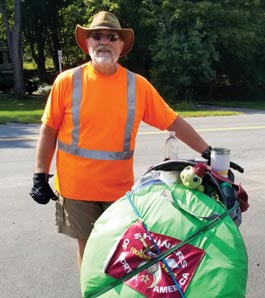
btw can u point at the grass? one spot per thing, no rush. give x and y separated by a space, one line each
250 104
205 108
30 108
26 110
198 110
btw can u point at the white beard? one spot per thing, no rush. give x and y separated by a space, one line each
103 58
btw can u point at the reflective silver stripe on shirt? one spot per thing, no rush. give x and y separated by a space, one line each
76 104
97 154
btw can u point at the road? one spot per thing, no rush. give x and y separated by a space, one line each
37 262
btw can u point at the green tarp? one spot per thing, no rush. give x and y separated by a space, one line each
176 212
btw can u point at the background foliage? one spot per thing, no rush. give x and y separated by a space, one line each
188 49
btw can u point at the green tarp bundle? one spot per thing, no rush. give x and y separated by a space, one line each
173 211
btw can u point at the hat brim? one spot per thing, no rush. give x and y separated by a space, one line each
82 34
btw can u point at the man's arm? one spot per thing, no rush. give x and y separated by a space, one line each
41 191
45 149
187 134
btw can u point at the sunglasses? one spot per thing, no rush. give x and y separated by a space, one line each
110 37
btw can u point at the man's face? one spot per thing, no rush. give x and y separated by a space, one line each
104 47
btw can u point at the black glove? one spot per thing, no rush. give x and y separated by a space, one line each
41 191
207 154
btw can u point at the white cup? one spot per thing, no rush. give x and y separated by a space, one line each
220 160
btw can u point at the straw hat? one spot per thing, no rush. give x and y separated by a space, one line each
105 21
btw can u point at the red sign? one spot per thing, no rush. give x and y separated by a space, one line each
136 247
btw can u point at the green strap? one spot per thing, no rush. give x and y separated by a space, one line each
164 254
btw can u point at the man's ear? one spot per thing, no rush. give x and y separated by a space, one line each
87 45
121 45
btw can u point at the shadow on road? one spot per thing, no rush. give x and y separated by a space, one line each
15 135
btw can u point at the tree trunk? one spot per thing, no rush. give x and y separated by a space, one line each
14 41
39 58
17 52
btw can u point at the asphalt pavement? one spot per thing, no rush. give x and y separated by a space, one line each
37 262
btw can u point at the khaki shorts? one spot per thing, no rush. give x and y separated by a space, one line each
76 218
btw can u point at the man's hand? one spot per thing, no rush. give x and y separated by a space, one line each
41 191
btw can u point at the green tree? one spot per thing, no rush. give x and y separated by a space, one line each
235 27
35 31
187 48
185 51
207 44
73 14
44 29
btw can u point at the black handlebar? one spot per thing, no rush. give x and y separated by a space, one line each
237 167
180 164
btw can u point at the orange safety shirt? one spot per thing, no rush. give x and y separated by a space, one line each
99 126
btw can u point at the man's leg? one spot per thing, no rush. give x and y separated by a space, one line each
76 219
80 251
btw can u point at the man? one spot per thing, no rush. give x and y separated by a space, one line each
93 114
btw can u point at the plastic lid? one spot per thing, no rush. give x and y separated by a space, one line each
221 151
172 134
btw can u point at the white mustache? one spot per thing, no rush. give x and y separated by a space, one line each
103 48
